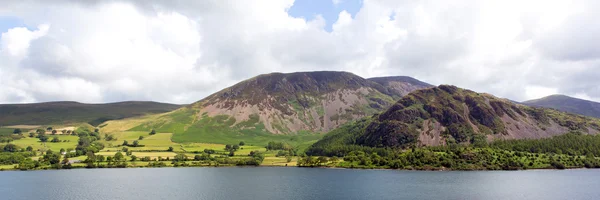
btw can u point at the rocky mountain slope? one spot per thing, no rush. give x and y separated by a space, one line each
398 86
280 103
448 114
73 112
567 104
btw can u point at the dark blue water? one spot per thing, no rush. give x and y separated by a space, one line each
296 183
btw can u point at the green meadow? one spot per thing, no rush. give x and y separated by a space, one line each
66 142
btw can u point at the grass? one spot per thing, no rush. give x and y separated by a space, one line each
37 145
7 167
159 141
218 129
6 131
154 154
278 161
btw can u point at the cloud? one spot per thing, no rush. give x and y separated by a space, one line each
181 51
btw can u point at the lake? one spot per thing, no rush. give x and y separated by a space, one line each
296 183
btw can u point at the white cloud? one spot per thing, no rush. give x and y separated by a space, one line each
181 51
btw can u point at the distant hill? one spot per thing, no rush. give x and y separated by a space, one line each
283 103
399 86
567 104
448 114
73 112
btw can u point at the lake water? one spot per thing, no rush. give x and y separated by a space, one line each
296 183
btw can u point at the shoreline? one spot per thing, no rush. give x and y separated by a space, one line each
319 167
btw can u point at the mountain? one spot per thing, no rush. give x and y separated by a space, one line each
398 86
448 114
73 112
567 104
282 103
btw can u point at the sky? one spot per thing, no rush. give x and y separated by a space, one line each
180 51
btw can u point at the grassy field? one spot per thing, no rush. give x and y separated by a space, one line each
279 161
43 146
7 167
218 129
6 131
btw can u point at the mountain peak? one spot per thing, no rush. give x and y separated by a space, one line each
283 103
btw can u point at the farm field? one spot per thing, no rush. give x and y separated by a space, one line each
71 142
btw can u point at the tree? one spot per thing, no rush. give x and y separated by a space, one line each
288 158
62 150
170 149
322 160
231 154
96 130
54 132
29 148
180 157
49 128
118 156
55 139
236 147
197 157
40 131
152 132
31 134
228 147
17 131
99 158
242 143
141 137
136 143
63 131
43 138
209 151
133 158
109 137
52 158
125 143
334 159
10 148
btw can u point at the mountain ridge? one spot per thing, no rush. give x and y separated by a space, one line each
567 104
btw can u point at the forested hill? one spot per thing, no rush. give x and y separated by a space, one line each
73 112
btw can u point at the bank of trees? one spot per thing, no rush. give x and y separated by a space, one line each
565 151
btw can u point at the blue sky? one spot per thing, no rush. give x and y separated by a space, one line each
309 9
7 22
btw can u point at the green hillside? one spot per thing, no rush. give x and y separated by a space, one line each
74 112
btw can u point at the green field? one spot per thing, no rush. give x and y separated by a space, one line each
43 146
6 131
